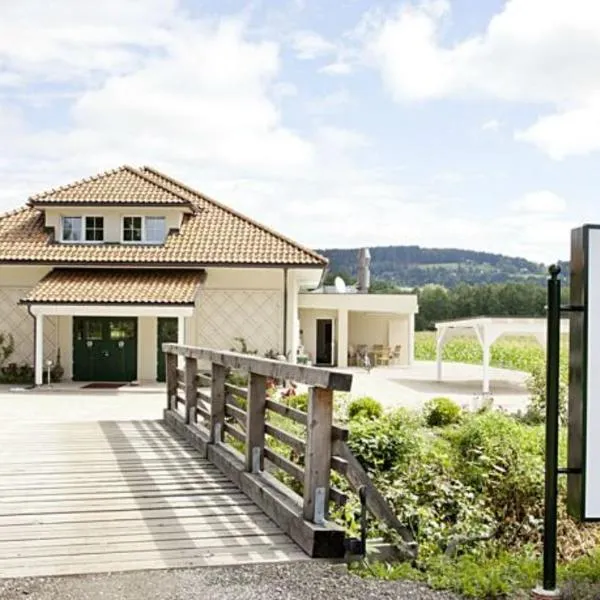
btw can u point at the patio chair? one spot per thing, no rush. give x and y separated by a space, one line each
382 355
352 357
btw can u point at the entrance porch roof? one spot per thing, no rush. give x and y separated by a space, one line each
169 287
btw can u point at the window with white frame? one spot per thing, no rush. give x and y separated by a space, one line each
147 230
82 229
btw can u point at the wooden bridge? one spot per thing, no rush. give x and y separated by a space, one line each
198 488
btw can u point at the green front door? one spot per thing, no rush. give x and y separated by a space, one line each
104 349
166 331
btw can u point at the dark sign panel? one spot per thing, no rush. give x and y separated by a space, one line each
584 376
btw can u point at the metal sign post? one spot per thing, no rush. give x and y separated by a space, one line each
552 414
554 310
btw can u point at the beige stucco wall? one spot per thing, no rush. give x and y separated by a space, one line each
65 343
113 217
146 354
389 330
15 283
244 303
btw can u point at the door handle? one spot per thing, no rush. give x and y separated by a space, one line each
106 353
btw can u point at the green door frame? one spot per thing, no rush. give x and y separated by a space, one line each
105 348
166 331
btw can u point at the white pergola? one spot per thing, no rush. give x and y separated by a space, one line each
487 330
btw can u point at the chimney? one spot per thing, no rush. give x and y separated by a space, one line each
364 272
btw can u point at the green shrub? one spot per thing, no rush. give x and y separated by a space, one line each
299 402
391 441
238 378
364 408
14 373
536 386
7 347
503 460
440 412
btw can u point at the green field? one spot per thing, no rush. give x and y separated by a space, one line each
515 352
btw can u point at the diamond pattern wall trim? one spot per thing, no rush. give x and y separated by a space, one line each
255 315
15 319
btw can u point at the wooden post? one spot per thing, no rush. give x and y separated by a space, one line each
255 423
217 403
318 455
191 391
171 372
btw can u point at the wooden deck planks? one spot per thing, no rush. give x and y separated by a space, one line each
116 496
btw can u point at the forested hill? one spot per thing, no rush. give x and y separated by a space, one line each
413 266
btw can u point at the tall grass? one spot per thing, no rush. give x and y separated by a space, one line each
519 353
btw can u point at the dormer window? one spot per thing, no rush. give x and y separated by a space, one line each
144 230
82 229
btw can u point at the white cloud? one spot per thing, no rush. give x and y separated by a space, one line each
450 177
336 68
491 125
309 45
540 202
338 138
69 39
329 102
223 115
537 51
573 132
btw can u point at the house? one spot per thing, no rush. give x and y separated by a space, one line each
337 321
107 268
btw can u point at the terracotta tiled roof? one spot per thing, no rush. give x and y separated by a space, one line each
211 234
122 186
117 286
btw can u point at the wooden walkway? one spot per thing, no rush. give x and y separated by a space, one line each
116 496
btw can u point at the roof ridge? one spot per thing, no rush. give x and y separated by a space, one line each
237 214
141 174
106 173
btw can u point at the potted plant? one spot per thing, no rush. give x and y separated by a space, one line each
57 371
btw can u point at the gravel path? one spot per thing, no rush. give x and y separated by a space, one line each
301 581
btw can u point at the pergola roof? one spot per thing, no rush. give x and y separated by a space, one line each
504 325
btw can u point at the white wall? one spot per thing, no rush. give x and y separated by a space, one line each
244 303
308 326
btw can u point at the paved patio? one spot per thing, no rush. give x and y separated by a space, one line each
412 386
69 403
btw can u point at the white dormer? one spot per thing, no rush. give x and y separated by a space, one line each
111 224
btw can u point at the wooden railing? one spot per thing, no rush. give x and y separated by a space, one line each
250 436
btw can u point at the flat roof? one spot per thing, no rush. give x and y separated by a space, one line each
373 303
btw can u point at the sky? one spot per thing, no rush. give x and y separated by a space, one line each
442 123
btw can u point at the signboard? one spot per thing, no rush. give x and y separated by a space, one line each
584 376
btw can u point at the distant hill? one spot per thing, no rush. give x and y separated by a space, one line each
413 266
